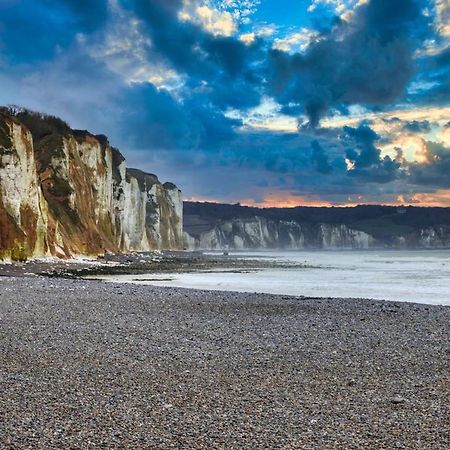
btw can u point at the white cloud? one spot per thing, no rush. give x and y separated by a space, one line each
414 147
265 116
247 38
125 49
432 114
205 14
443 17
343 8
260 31
444 135
393 133
297 41
432 47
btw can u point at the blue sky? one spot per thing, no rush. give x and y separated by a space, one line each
265 102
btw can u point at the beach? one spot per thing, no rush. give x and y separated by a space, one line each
90 364
421 276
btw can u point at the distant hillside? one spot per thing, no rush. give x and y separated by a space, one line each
377 226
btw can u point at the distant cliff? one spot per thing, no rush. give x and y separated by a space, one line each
65 192
220 226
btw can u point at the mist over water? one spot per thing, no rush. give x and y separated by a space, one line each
409 276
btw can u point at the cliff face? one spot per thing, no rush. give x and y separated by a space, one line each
215 226
260 233
65 192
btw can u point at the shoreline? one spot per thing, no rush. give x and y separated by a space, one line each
318 275
138 263
138 282
143 366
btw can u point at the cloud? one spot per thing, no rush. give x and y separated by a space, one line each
124 47
434 172
338 6
320 158
265 31
417 126
368 61
437 74
187 46
440 198
366 159
297 41
444 135
73 86
207 102
443 18
223 66
214 21
156 120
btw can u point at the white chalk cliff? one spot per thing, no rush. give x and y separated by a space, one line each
260 233
217 227
65 192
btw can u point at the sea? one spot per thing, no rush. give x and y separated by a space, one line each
407 276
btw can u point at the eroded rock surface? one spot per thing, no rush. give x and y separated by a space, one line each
65 192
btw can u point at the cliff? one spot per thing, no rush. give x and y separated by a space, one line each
260 233
65 192
218 226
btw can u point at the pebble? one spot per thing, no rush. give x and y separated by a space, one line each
87 364
397 400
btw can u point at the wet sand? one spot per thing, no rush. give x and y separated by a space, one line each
87 364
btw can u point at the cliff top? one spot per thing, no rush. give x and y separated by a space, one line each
43 126
40 125
145 180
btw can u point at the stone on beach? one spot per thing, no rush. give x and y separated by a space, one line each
86 364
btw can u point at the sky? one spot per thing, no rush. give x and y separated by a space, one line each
262 102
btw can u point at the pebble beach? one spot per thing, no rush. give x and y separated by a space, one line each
90 364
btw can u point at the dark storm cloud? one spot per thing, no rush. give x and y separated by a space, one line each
187 135
134 116
369 61
187 46
253 164
417 126
368 164
139 115
435 172
221 72
363 152
319 158
227 66
409 126
436 71
156 120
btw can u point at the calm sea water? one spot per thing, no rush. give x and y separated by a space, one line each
410 276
